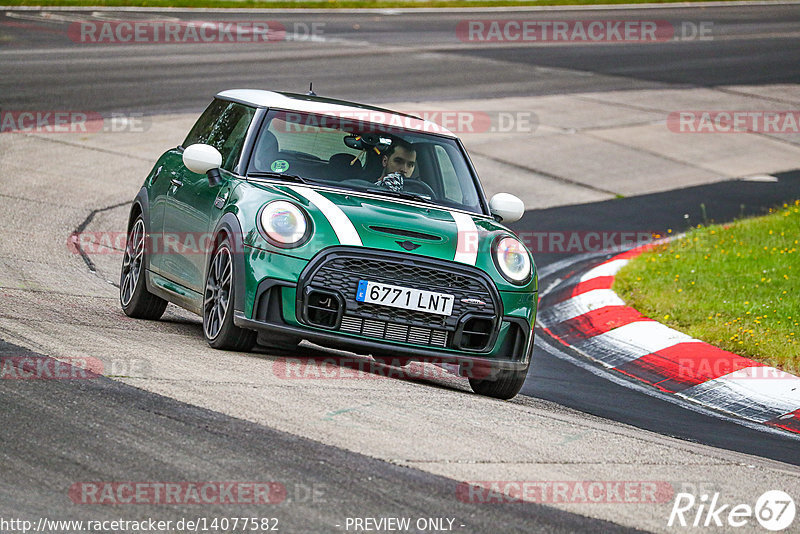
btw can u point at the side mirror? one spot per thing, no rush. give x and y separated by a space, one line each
506 207
203 159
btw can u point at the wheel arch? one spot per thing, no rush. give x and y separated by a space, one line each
140 206
230 227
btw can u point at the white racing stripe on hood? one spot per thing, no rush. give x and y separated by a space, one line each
341 224
467 245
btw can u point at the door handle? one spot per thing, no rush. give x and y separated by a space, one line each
176 182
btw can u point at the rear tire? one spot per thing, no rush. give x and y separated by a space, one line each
503 385
218 299
134 298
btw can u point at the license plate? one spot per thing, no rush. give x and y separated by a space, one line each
404 297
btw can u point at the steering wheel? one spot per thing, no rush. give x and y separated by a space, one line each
418 186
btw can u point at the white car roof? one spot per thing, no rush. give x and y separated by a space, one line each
337 108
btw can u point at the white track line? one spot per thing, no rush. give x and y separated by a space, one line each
756 393
688 404
579 305
632 341
609 268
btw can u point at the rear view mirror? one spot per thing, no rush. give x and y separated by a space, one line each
506 207
203 159
367 141
353 142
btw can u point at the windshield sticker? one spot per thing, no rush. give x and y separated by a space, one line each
280 165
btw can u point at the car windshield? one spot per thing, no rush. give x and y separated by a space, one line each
349 153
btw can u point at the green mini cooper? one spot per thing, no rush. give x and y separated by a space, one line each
287 217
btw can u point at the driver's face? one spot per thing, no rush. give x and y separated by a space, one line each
401 160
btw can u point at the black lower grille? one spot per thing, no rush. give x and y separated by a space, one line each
323 308
341 269
394 332
475 333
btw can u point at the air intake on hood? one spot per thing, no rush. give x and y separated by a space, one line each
405 233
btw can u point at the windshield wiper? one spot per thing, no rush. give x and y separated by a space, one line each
408 195
288 177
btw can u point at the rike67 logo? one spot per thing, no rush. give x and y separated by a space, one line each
774 510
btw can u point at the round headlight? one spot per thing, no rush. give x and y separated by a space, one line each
284 223
512 260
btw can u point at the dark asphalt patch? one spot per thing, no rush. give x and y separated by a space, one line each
695 63
676 210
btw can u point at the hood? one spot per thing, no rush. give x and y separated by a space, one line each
396 225
390 224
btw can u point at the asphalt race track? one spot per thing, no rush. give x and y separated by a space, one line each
344 484
366 448
389 57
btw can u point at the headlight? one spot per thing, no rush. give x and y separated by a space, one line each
512 260
284 224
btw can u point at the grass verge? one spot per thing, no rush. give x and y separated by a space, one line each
735 286
330 4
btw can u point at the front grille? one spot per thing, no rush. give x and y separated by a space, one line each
401 272
340 270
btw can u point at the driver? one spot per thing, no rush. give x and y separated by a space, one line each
398 161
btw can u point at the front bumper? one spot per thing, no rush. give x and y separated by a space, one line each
364 346
283 307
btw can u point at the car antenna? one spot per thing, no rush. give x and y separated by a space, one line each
311 89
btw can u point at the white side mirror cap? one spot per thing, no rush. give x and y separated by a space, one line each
201 158
507 207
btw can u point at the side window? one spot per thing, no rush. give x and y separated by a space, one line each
201 130
238 118
223 125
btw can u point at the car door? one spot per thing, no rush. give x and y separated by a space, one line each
158 188
190 210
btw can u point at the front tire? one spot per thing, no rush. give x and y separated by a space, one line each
136 301
218 327
503 384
